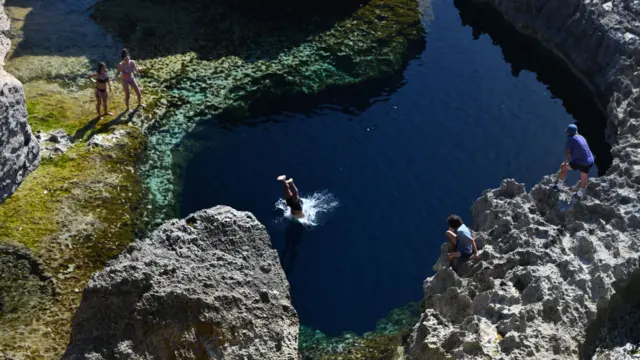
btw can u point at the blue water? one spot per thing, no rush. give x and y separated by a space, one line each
458 120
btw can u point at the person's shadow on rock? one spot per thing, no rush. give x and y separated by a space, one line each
118 120
80 133
293 238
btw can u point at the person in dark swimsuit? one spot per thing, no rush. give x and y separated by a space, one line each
127 67
101 79
291 196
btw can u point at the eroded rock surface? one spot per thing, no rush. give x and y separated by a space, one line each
615 334
53 143
19 150
545 274
542 275
206 287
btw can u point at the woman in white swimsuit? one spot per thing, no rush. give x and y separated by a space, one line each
127 67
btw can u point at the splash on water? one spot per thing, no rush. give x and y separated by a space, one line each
316 208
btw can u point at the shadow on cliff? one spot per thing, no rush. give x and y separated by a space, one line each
59 28
249 29
616 324
525 53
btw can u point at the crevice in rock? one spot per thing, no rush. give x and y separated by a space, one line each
616 323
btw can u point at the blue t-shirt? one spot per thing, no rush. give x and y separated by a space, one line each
580 152
463 241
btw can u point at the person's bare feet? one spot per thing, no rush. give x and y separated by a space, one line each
282 177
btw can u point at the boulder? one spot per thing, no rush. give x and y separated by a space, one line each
206 287
19 150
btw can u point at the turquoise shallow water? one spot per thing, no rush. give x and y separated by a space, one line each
480 104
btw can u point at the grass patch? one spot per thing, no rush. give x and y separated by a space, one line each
52 107
75 212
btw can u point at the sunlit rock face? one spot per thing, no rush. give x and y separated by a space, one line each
206 287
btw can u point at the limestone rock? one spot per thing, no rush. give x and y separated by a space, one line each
542 275
53 143
19 151
24 282
206 287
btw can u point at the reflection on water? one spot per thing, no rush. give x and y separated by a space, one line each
293 238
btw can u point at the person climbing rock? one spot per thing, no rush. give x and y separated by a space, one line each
581 159
127 67
461 244
101 79
291 196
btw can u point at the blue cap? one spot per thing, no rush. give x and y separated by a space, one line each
572 129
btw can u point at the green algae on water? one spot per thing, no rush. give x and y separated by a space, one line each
385 343
375 41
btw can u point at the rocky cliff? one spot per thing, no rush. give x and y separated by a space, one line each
206 287
19 150
547 278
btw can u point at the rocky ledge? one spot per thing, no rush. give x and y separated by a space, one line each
19 150
550 283
206 287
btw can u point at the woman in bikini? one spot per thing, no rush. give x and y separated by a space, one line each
291 196
101 79
127 67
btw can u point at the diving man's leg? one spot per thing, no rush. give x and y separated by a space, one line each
293 189
287 190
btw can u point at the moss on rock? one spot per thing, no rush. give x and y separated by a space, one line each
385 343
75 212
79 209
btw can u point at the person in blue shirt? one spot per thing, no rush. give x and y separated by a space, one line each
581 159
460 240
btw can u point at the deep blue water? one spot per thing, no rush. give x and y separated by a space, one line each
465 114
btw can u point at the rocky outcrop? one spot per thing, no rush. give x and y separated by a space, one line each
206 287
24 281
540 279
19 150
546 274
